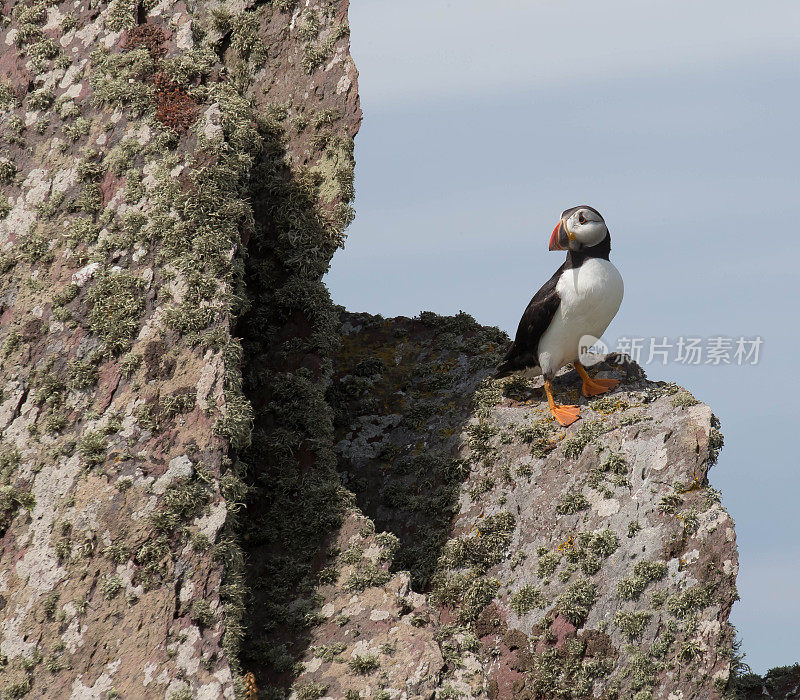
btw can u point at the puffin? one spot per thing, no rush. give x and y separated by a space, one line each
580 299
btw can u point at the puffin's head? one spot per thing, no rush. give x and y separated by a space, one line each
580 227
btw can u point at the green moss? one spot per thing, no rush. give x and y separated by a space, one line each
577 600
122 156
632 624
526 599
662 645
89 168
5 207
42 52
571 502
90 199
50 604
118 552
92 447
364 664
641 671
181 694
467 592
236 421
35 246
566 673
66 295
487 547
202 613
148 417
35 13
547 564
309 25
28 33
182 401
51 206
81 374
17 689
11 500
117 305
41 99
7 98
121 15
715 441
134 190
150 559
690 600
245 37
586 433
309 691
615 463
326 117
643 573
608 404
7 262
10 458
539 436
330 652
670 503
314 55
684 399
179 504
111 586
119 79
78 129
69 22
690 520
657 598
604 542
367 576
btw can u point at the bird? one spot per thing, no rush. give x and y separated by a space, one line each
580 299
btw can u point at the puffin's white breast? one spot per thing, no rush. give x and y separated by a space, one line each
590 298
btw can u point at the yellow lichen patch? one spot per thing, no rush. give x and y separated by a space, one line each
606 405
567 544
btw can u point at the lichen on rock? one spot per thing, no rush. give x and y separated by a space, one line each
545 546
215 483
132 133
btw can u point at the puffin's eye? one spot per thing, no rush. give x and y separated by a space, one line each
581 218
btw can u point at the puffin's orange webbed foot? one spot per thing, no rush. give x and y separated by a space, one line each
565 415
593 387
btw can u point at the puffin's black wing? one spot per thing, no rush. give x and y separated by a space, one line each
524 351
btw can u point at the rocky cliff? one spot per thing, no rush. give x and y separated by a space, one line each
515 558
174 178
213 484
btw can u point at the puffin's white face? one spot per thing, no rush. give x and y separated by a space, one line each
579 227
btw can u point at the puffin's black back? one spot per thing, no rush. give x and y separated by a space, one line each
534 322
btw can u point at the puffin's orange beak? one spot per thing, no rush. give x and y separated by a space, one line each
559 240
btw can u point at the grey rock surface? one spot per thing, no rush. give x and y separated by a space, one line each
147 149
589 561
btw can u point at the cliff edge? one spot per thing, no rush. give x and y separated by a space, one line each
516 558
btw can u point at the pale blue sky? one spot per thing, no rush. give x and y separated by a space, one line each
678 121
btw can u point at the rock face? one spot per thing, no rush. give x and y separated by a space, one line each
147 150
591 561
214 486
